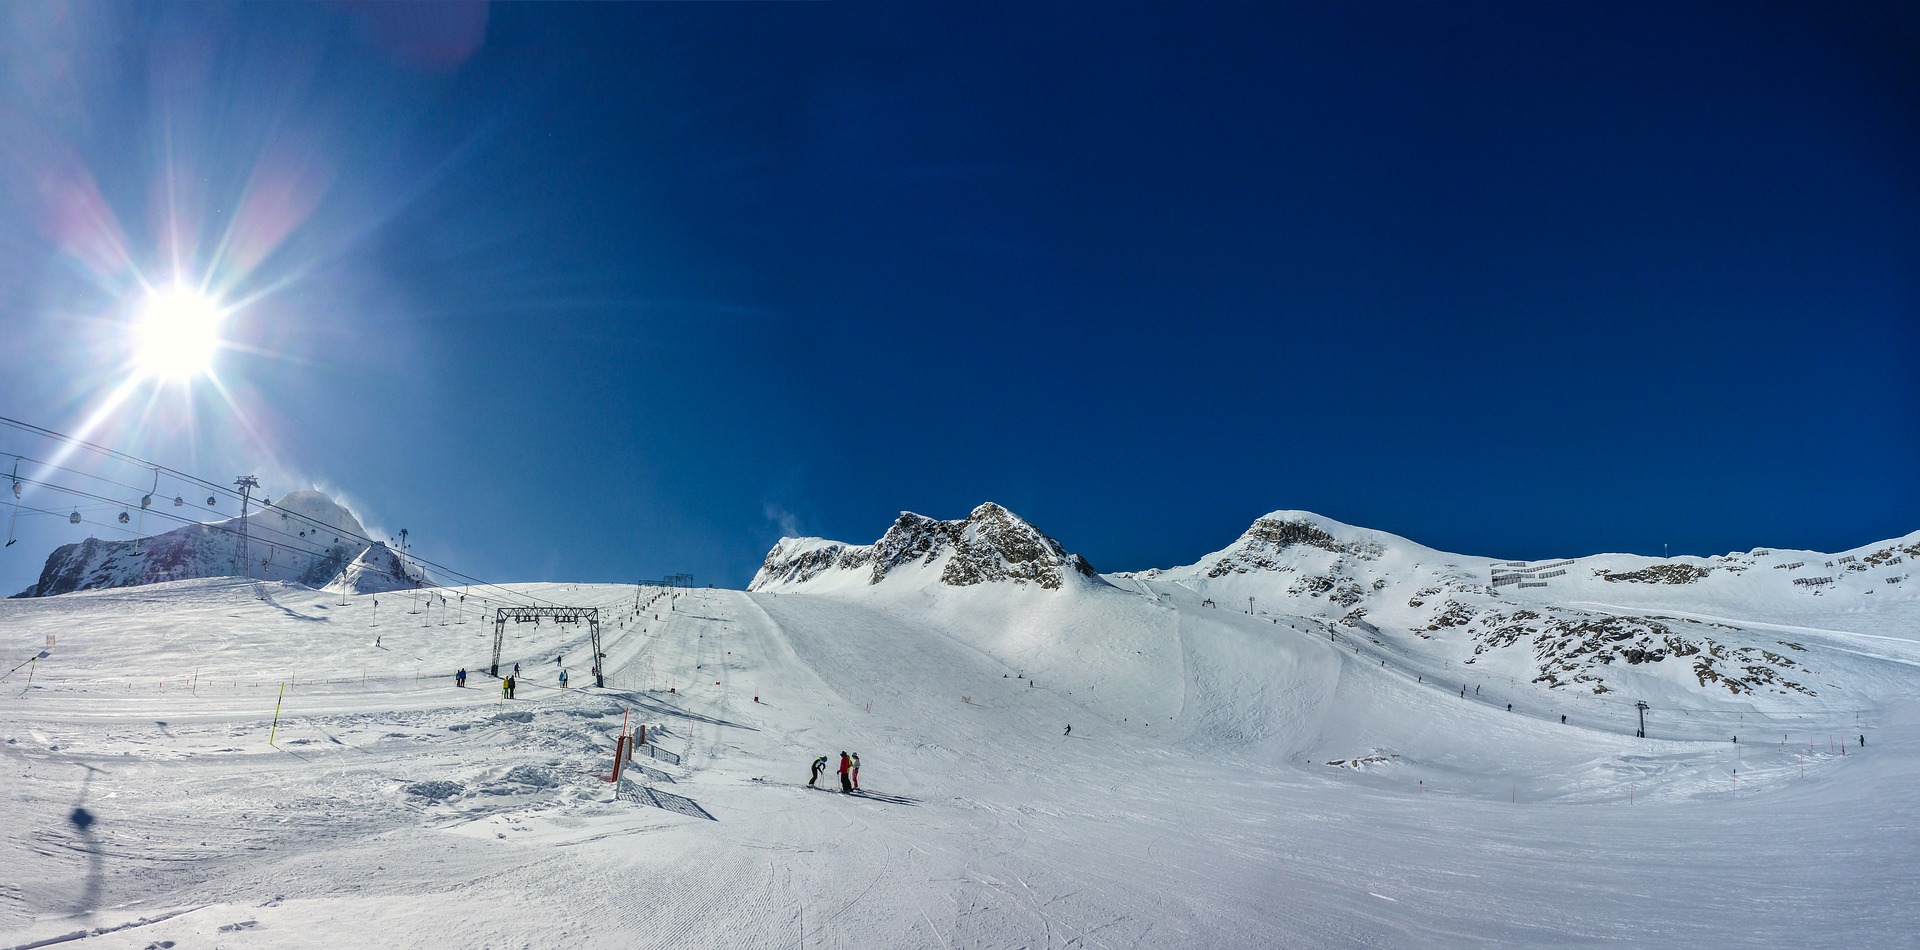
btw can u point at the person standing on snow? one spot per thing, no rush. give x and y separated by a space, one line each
819 766
856 771
563 679
460 678
506 687
846 765
1069 730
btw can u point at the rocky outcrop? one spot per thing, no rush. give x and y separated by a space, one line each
1262 547
990 545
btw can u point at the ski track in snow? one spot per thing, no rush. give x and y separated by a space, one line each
1192 806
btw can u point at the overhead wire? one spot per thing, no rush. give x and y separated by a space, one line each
127 458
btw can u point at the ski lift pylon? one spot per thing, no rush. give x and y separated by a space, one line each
16 502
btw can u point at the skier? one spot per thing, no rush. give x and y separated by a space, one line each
460 678
563 679
1509 707
846 765
516 669
1069 730
819 765
856 771
1563 719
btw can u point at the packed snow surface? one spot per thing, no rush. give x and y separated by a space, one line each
1237 774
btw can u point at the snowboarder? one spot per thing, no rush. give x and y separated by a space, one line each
846 765
1069 730
563 679
819 765
460 678
856 771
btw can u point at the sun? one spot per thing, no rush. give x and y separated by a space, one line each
177 334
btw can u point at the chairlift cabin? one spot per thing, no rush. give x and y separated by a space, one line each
75 517
209 501
178 501
125 517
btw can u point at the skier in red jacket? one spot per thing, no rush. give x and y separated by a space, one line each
846 766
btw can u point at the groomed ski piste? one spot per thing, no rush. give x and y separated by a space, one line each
1233 778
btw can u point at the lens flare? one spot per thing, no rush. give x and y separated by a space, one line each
177 335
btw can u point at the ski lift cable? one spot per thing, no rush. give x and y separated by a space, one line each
449 572
32 510
108 504
156 468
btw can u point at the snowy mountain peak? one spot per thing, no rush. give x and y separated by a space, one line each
991 544
306 538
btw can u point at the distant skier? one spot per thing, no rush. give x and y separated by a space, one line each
556 660
846 765
819 766
460 678
1509 707
1563 719
856 771
1069 730
563 679
516 669
513 683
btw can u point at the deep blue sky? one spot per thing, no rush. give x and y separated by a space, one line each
607 291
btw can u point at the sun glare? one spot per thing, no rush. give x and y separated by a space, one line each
179 331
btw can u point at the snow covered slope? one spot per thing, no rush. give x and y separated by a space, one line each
1774 630
305 537
379 569
1765 629
1227 781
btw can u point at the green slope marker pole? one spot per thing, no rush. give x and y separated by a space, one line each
276 713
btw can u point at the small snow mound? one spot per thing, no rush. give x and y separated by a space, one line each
531 775
437 791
